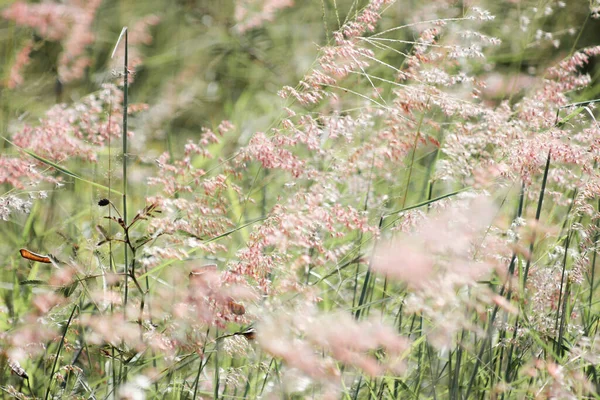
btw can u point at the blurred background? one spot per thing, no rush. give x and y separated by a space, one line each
199 62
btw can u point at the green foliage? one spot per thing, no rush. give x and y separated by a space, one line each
200 69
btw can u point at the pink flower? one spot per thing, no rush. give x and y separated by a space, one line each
21 61
251 14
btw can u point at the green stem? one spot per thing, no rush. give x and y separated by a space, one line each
537 218
57 356
125 157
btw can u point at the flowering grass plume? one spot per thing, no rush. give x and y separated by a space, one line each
401 227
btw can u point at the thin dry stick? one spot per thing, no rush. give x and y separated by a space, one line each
124 33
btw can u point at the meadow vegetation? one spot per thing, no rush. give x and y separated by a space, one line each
299 199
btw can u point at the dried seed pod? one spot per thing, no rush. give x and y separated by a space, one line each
235 308
17 369
249 334
30 255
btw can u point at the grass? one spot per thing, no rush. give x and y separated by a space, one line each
490 212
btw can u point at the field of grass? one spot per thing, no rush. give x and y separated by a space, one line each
330 199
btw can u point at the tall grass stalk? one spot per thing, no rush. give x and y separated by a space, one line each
51 379
125 156
538 213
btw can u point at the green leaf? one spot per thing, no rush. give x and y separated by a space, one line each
64 170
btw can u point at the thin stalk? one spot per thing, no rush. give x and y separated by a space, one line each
197 379
507 374
511 269
216 353
537 218
563 320
454 378
412 159
266 377
560 292
593 269
60 346
435 376
125 157
247 386
366 283
486 343
421 362
360 237
358 386
424 203
111 263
